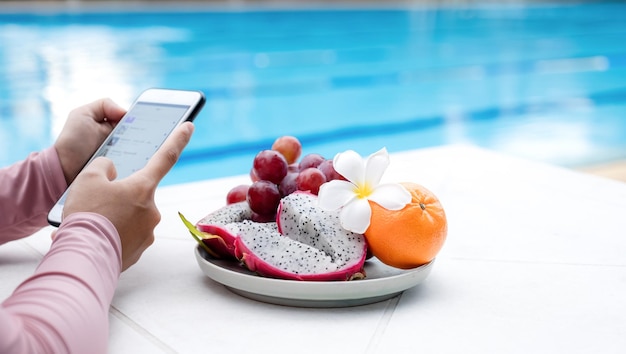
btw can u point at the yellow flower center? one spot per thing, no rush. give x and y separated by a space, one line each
363 191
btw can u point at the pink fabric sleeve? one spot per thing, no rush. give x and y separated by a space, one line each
28 189
63 307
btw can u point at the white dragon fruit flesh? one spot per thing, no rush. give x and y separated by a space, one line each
301 219
311 245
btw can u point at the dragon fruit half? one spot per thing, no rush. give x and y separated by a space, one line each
306 242
216 224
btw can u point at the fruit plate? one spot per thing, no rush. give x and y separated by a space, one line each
382 283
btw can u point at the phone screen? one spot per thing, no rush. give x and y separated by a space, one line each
139 135
141 132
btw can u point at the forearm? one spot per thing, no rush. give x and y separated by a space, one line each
28 189
64 306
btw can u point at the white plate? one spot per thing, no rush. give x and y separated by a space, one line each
382 282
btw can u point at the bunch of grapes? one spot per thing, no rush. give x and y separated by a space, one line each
277 173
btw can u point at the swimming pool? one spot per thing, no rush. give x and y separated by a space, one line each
541 81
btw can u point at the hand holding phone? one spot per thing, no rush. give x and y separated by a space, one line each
138 135
84 130
129 203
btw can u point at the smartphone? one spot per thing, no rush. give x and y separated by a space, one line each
139 134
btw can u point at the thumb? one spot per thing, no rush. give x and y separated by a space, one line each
167 155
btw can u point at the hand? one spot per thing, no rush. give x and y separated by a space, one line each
128 203
85 129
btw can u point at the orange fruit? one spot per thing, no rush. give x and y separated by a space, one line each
409 237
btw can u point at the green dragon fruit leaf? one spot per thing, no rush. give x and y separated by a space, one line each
199 235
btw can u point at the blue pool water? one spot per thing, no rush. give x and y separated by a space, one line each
541 81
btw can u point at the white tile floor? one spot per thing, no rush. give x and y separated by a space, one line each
534 263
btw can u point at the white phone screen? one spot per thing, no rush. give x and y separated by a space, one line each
140 134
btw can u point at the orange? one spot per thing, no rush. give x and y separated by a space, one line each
409 237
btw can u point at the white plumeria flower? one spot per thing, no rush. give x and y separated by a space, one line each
363 184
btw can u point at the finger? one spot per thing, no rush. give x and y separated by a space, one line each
102 166
167 155
103 110
111 111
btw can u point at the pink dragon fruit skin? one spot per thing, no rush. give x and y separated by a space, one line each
224 245
258 265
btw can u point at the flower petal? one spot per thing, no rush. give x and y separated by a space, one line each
350 165
355 216
335 194
391 196
375 166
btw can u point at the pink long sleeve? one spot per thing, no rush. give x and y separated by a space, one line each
28 189
63 307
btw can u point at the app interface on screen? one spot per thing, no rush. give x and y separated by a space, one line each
139 135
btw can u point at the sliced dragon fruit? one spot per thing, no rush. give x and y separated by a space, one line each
216 223
300 218
264 250
311 244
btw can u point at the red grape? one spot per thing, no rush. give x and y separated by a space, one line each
310 180
289 146
270 165
329 170
237 194
262 218
311 160
263 197
288 185
293 167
